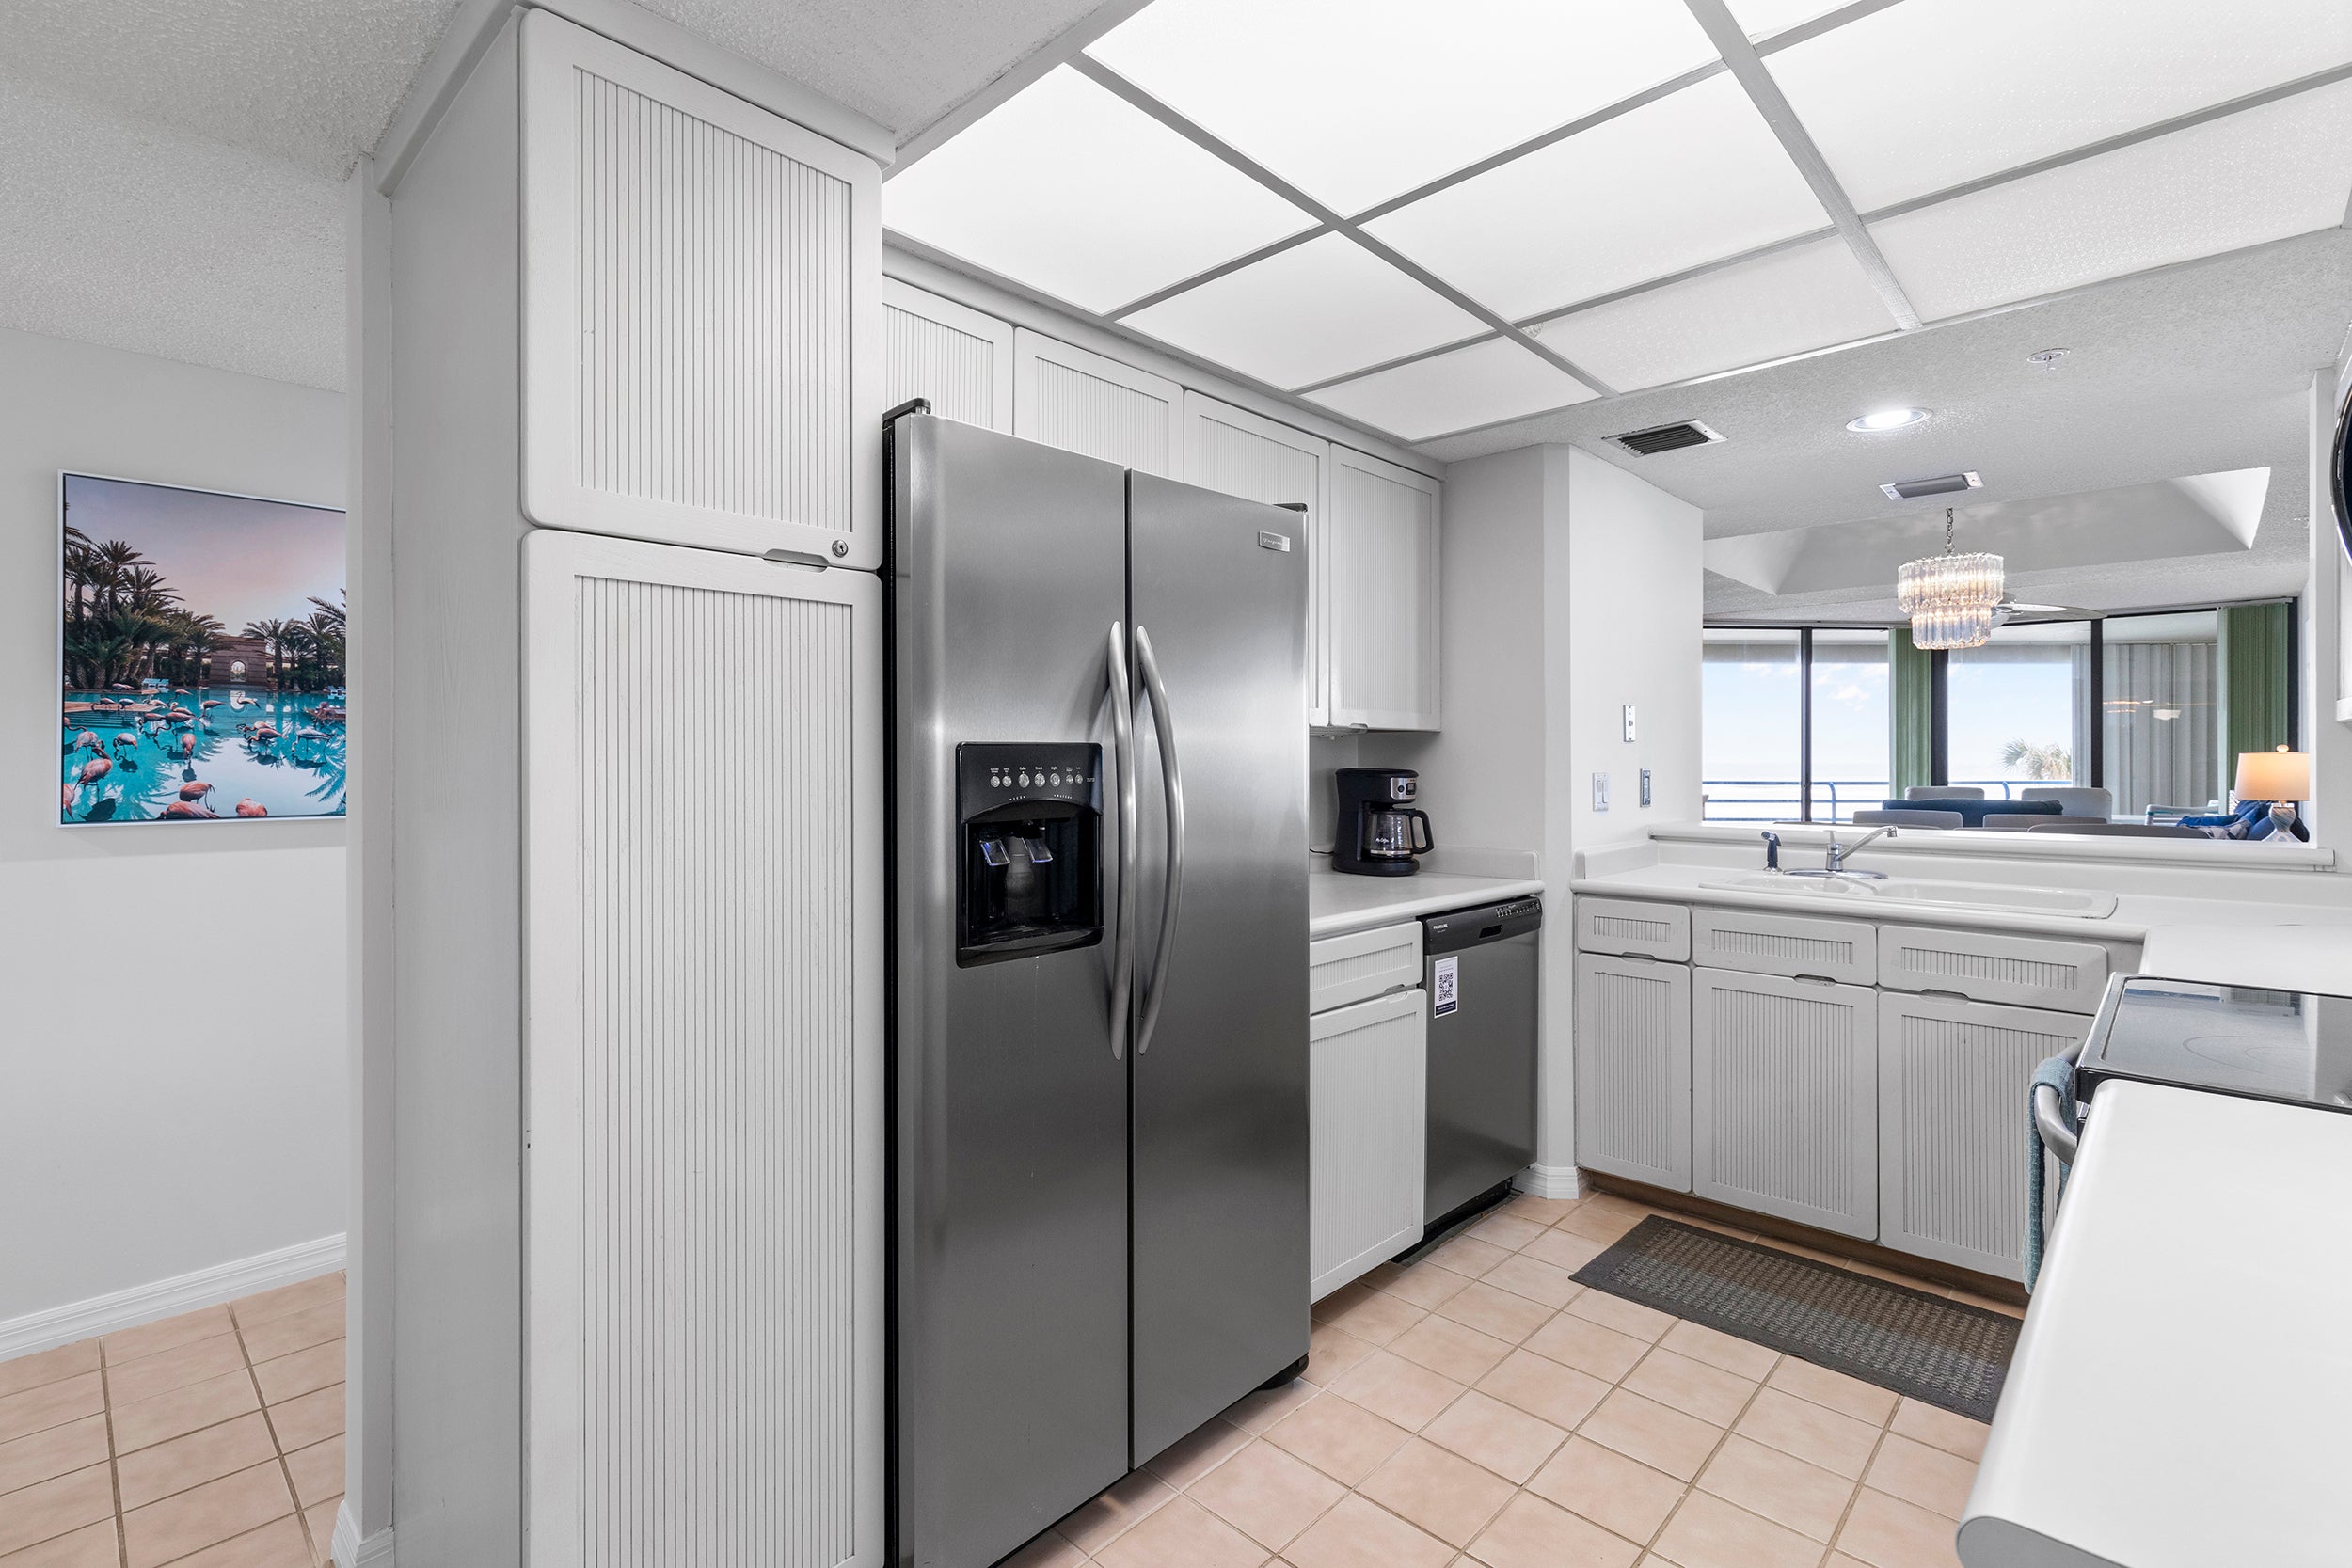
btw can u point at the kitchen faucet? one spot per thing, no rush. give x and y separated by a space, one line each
1835 865
1771 851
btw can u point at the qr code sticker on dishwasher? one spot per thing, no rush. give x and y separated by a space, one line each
1449 992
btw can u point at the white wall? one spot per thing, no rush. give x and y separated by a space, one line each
171 1069
1571 588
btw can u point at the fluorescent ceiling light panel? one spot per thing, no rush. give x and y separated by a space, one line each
1072 190
2260 175
1791 302
1307 313
1499 379
1692 178
1928 94
1354 101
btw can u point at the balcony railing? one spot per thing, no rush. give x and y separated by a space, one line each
1834 799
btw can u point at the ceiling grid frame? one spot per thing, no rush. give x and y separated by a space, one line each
1747 68
1332 222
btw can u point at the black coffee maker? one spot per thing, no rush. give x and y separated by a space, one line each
1380 831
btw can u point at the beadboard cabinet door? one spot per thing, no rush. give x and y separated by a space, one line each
1633 1069
1784 1097
1082 401
1246 454
1952 1145
1384 602
701 1057
958 359
701 311
1367 1134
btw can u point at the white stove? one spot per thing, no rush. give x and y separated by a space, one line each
2289 1046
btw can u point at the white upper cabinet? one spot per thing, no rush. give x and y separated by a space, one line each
1246 454
1382 564
1067 397
701 334
950 353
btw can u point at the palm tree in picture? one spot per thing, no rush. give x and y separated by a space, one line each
272 635
2049 760
113 561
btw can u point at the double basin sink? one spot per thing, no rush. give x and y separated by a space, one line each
1868 891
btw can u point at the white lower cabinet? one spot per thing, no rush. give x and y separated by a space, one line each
1632 1062
1784 1097
1367 1133
1952 1145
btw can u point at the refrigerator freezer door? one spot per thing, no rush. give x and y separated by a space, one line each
1221 1091
1012 1106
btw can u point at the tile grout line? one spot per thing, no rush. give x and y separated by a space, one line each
114 1458
277 1447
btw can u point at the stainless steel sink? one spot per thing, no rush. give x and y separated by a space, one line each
1961 895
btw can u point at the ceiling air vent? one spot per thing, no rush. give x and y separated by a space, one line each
1665 437
1942 484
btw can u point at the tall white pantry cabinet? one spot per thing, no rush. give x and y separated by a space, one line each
635 431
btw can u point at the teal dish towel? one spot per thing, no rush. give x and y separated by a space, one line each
2059 1074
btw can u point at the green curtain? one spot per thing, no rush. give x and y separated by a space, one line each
2256 646
1910 712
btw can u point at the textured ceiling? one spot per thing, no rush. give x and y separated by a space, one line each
2194 371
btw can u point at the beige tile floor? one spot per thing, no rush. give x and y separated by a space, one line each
1481 1410
210 1440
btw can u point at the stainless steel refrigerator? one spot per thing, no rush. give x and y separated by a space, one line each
1100 1044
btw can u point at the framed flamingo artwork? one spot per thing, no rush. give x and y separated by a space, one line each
200 655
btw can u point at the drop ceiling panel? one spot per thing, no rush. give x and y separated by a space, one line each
1355 101
1927 94
2284 168
1072 190
1692 178
1794 301
1314 312
1499 379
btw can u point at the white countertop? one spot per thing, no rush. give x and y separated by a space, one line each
2136 913
2178 1399
1339 902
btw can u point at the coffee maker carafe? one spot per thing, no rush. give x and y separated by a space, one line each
1380 831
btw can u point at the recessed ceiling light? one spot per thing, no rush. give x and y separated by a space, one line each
1887 419
2047 359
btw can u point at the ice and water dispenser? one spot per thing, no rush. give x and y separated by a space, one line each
1029 830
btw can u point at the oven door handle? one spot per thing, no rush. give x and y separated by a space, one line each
2049 1120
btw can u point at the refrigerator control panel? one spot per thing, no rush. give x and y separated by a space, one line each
999 773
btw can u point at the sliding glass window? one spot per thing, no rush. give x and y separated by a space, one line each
2018 710
1850 716
2163 713
1813 724
1753 725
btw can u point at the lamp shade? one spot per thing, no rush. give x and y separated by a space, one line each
2274 776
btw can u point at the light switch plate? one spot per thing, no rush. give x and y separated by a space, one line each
1601 792
1628 721
1645 786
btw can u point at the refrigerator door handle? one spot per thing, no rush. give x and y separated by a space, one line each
1123 754
1163 725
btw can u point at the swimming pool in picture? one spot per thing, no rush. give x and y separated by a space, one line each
200 754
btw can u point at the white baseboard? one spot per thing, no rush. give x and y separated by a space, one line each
1552 1181
144 1304
352 1552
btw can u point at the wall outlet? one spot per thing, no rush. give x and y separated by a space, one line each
1628 722
1601 792
1645 786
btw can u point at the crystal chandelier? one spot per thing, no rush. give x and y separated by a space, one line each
1953 600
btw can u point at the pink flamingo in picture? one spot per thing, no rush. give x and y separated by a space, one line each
186 747
93 771
86 741
71 790
195 791
250 807
182 810
127 739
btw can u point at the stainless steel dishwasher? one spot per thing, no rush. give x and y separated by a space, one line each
1479 968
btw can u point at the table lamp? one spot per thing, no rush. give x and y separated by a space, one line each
2279 777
